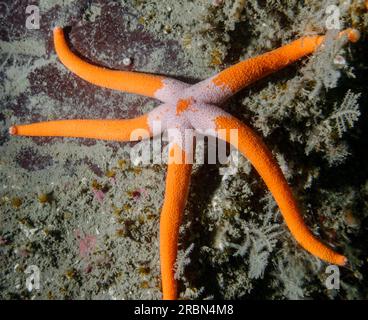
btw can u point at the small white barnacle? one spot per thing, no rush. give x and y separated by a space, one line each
127 61
339 61
217 3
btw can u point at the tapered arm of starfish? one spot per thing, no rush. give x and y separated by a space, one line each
176 192
133 82
244 73
252 147
118 130
191 107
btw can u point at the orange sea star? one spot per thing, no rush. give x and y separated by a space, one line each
191 107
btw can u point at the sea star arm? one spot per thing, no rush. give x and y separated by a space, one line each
235 78
158 87
177 187
252 147
118 130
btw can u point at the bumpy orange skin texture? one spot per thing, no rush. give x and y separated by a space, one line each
191 107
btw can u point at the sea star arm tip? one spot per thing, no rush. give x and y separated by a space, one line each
13 130
342 261
353 35
57 29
